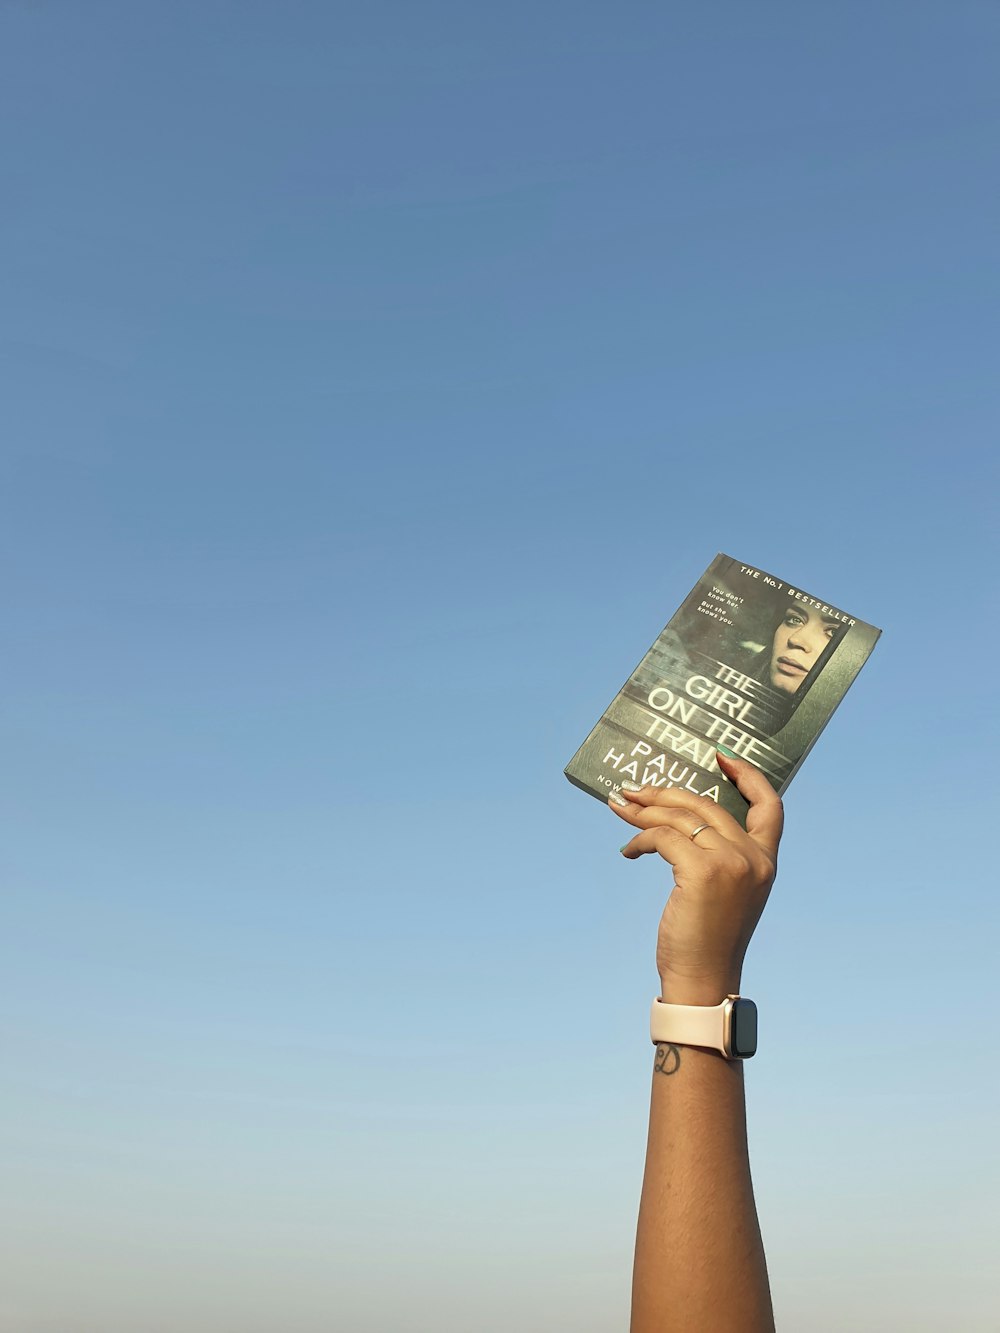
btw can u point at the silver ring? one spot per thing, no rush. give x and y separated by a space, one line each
700 829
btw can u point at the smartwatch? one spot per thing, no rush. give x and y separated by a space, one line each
729 1028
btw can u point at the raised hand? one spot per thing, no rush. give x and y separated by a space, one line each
722 877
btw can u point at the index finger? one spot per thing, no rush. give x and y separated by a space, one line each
766 816
705 810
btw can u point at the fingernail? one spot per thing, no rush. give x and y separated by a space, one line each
618 800
722 750
630 786
623 846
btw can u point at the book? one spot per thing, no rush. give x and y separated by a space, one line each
749 662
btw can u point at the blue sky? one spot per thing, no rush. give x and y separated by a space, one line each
377 380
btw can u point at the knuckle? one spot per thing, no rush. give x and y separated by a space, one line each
737 863
761 868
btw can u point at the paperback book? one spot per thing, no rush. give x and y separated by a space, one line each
748 662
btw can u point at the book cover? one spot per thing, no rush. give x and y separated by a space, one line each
749 662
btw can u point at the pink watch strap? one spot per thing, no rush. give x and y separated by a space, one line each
689 1024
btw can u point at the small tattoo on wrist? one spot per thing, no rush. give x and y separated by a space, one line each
668 1058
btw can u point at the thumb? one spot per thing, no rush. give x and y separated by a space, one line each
766 816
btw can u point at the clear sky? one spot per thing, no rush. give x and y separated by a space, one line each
377 378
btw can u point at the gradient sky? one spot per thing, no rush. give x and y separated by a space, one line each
377 379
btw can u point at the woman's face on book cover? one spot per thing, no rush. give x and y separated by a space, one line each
798 642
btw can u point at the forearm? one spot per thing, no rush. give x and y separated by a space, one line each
699 1260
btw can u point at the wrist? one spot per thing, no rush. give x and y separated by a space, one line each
706 990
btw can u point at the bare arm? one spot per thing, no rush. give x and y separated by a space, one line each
699 1260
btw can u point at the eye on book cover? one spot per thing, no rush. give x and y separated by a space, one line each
749 662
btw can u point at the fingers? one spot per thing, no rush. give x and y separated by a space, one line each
766 816
678 818
673 846
700 809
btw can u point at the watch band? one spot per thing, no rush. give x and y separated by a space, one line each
711 1026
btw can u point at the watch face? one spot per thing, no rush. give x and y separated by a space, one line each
743 1029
